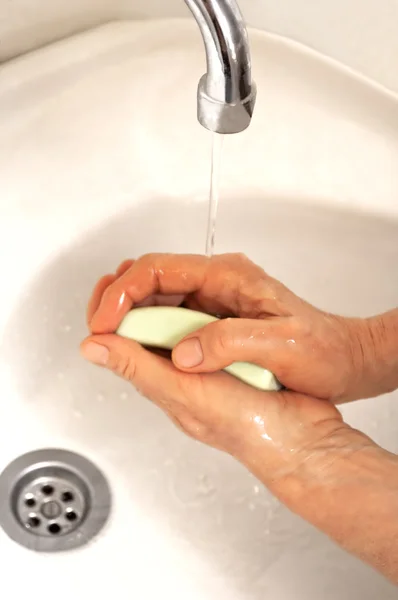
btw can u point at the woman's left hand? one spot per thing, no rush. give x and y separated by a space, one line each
297 445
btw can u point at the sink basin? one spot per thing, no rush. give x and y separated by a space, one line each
101 159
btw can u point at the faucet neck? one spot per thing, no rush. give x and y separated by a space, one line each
226 95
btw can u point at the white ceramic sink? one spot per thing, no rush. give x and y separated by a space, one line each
101 159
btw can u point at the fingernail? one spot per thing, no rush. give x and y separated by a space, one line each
95 353
189 354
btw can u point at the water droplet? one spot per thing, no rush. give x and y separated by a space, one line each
292 342
252 506
124 396
256 490
67 328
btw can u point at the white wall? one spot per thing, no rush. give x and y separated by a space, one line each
360 33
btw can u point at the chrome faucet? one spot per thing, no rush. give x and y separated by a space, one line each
226 93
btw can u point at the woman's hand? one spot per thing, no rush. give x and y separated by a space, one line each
297 445
309 351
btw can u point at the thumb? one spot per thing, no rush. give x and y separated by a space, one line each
223 342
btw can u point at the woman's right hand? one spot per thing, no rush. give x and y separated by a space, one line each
310 351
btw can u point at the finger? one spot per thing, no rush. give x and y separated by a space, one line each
124 266
102 285
219 344
230 282
97 294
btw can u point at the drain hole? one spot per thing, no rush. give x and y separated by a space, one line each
47 490
33 522
52 500
54 529
71 515
67 497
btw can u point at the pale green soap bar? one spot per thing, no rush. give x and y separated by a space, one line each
165 326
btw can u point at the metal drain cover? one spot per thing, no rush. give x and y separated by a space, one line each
53 500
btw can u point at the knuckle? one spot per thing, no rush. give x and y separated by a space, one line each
149 260
124 367
106 279
124 266
222 341
239 257
301 328
295 328
192 427
268 290
149 257
130 371
188 388
237 261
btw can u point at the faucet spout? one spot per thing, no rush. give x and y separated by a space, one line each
226 93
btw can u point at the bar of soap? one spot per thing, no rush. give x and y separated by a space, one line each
165 326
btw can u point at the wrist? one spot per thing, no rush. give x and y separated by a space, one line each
290 474
350 492
322 468
352 497
378 338
347 459
382 364
373 347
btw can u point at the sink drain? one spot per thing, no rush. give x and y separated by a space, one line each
53 500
